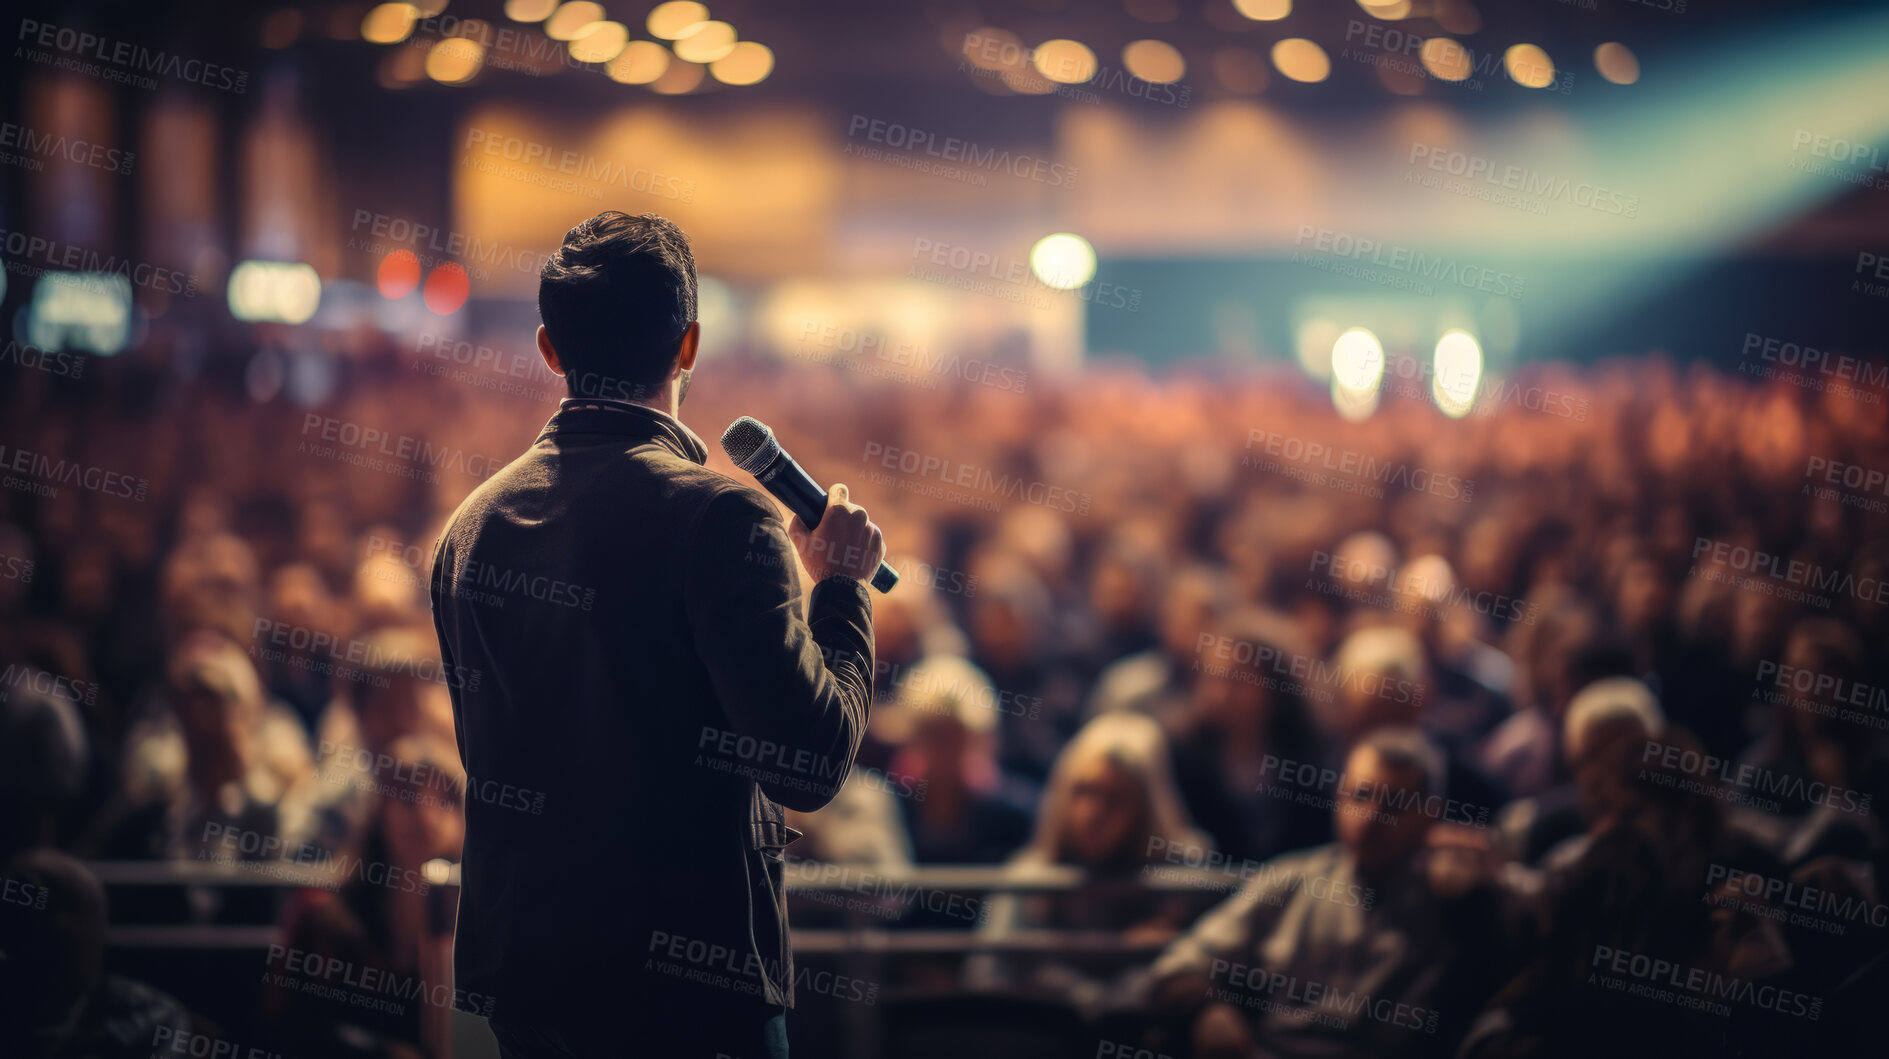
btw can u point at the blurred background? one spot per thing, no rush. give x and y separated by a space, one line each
1236 382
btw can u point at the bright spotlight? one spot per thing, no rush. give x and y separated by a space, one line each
274 291
80 310
1357 361
1456 372
1063 261
1355 406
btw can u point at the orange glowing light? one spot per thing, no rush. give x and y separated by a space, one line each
399 274
446 288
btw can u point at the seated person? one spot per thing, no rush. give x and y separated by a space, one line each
391 917
1385 680
1348 949
1549 830
1112 811
56 998
944 726
1244 720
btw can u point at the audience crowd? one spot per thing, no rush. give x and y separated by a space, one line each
1553 728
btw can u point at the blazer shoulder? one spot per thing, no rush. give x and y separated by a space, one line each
726 498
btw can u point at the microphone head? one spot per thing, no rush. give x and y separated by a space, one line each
750 444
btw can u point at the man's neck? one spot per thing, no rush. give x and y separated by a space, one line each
666 404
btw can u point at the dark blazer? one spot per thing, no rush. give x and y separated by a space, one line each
641 696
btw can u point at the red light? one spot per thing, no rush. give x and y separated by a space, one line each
399 274
446 288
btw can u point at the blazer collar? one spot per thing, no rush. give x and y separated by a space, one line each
602 415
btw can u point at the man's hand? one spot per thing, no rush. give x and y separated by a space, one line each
845 541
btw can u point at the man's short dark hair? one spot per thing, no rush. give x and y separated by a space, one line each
615 299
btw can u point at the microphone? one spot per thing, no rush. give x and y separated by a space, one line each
750 443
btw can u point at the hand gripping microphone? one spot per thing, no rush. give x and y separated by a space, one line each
752 447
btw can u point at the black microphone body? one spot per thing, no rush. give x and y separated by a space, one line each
752 446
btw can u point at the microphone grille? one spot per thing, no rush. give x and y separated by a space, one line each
749 444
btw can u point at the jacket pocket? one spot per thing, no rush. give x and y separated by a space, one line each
767 825
769 836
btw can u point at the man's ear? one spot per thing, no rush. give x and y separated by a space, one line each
685 349
550 353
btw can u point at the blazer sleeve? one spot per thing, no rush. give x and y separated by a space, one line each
796 691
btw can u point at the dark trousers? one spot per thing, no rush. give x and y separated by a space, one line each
697 1034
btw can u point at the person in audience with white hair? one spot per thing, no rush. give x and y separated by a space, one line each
1600 716
961 808
222 756
1473 680
1384 680
1111 810
1352 949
